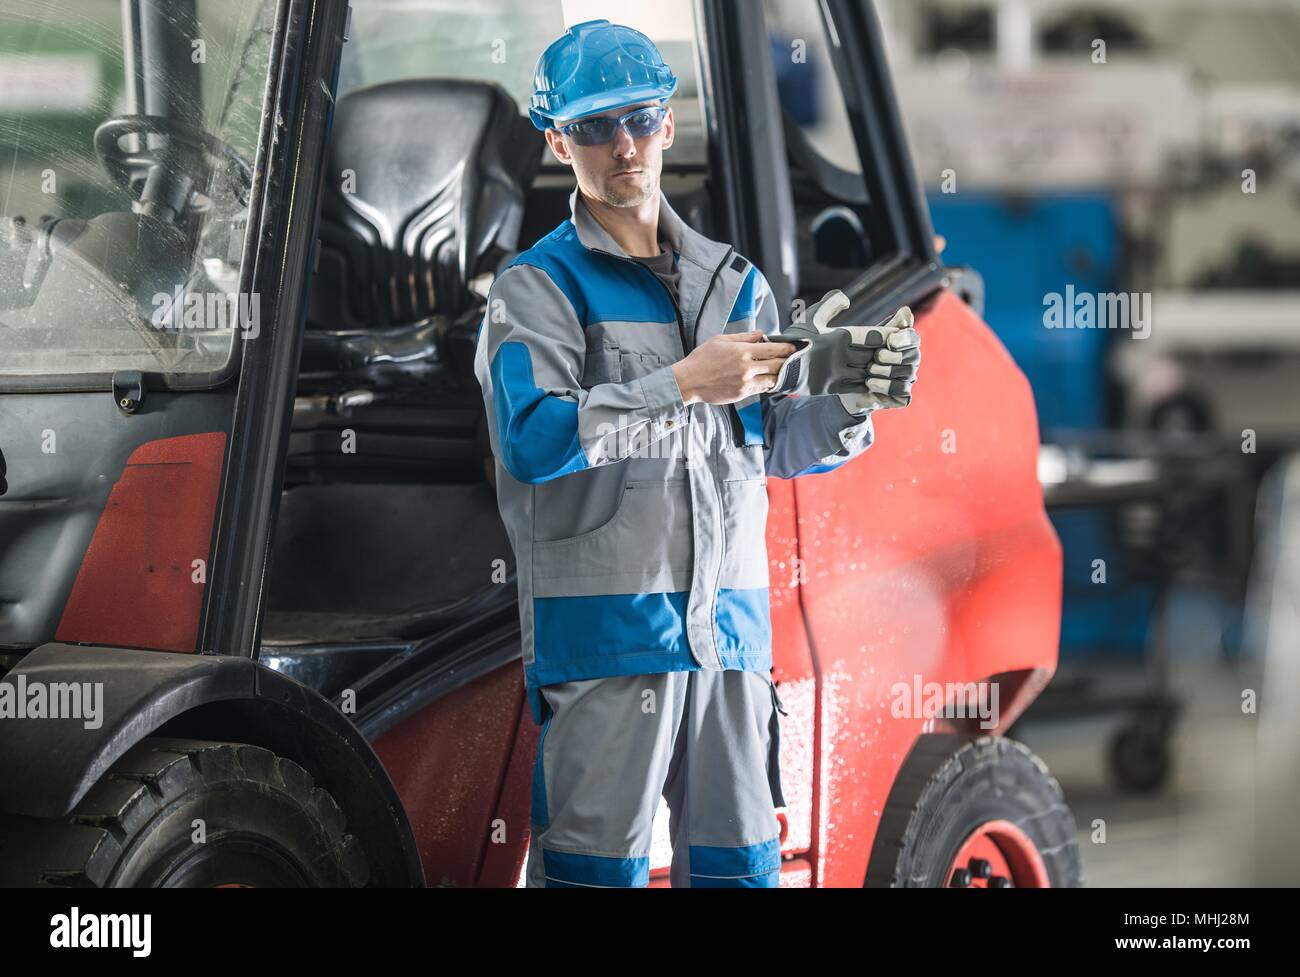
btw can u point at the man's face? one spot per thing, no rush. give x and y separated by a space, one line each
624 172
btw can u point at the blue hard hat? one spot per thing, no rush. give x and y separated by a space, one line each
595 66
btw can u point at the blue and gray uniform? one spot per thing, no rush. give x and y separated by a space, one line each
638 522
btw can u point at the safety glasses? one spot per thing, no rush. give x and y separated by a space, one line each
639 123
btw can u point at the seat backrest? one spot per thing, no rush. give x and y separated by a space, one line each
425 184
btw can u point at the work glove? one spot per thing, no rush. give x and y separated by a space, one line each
868 367
897 348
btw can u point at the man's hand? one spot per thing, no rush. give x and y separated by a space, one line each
730 367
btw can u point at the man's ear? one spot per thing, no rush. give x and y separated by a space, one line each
558 149
670 130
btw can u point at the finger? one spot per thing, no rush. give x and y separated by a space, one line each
754 336
832 304
772 350
904 339
891 388
884 336
871 337
912 355
903 371
765 368
902 319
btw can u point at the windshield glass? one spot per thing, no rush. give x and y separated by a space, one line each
500 41
124 182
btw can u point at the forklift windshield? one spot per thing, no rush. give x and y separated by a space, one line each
128 135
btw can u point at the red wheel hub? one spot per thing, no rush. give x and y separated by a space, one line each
998 855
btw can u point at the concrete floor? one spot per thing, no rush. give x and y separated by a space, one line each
1190 833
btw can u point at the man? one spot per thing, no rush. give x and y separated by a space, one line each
627 375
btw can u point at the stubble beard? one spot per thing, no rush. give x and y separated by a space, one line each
615 196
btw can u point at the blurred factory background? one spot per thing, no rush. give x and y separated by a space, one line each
1151 151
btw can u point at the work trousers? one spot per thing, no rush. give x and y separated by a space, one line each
707 741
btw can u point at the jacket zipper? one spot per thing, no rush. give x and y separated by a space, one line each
712 281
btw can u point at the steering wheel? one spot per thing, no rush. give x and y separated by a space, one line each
164 172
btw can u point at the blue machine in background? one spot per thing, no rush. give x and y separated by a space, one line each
1026 248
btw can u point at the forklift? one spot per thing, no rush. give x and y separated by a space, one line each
259 621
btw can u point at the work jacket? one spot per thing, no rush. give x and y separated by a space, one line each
638 523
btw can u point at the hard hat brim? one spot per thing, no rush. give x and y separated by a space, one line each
604 101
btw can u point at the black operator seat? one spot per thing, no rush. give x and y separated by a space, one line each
424 191
425 185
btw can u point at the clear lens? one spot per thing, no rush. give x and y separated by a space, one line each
596 132
645 122
593 132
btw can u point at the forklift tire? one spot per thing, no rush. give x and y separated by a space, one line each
264 823
1140 760
978 812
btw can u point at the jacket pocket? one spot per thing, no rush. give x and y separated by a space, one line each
634 365
646 546
744 563
601 365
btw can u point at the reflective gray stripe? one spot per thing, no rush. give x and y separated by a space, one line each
585 885
750 875
706 503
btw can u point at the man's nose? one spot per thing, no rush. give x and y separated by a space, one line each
624 144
